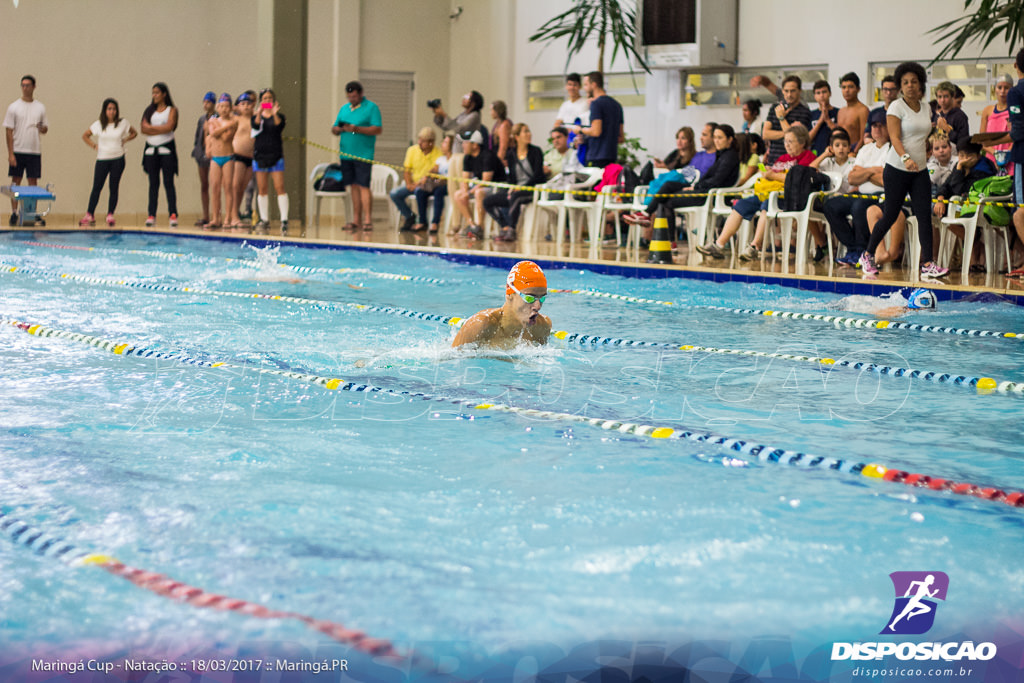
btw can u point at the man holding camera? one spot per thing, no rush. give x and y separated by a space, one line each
358 123
467 121
786 114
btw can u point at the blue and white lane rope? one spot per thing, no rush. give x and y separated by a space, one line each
759 452
866 323
170 255
584 341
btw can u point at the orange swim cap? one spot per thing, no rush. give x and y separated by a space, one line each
525 274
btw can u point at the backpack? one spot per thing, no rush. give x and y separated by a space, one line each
800 182
331 180
993 186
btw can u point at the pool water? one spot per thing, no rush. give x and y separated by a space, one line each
419 520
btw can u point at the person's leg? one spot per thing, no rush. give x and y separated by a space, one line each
921 204
732 226
99 176
116 171
493 203
153 171
262 197
399 195
461 201
216 183
366 200
230 205
282 197
859 213
896 184
836 210
421 203
440 193
204 190
479 194
519 201
762 225
167 166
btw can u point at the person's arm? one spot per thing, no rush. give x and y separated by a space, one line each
622 133
87 137
862 124
766 83
10 147
479 328
821 157
503 138
132 134
773 131
985 113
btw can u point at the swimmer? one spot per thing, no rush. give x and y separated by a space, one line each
918 300
219 132
241 156
519 319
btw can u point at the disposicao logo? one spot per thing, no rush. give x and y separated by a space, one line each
917 594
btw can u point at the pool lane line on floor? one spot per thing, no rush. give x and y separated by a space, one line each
585 341
760 452
866 323
169 255
54 547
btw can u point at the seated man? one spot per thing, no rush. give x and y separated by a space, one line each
478 164
704 159
560 158
518 320
866 175
419 159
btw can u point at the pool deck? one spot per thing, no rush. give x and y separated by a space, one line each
612 260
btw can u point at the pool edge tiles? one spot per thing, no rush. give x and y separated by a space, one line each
638 270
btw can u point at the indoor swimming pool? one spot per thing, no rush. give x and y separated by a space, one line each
486 498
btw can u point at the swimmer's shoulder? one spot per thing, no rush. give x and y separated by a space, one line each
480 327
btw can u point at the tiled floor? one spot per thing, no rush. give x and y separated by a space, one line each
385 234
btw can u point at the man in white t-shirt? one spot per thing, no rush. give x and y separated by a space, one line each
865 179
576 107
24 123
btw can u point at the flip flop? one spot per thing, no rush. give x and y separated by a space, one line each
367 227
350 227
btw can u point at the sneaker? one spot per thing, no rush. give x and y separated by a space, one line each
819 254
262 228
868 265
750 253
850 258
88 219
174 220
151 221
637 217
932 269
475 231
110 220
712 249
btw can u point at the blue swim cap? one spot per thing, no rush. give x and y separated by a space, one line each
209 97
921 298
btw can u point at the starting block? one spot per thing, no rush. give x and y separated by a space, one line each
27 196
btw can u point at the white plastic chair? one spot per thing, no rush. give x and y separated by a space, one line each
947 240
382 180
316 196
574 209
785 221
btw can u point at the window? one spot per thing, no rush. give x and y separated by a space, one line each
977 78
731 87
548 92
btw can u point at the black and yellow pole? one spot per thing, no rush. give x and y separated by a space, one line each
661 243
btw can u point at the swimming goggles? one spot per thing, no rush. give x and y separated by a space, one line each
528 298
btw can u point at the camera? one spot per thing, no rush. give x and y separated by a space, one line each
434 104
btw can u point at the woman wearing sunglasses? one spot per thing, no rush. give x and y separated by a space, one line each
518 320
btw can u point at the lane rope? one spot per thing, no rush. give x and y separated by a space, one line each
586 341
47 545
759 452
170 255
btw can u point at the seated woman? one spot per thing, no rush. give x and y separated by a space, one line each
797 154
525 163
723 173
683 152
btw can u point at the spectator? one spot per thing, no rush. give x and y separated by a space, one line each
560 158
751 117
889 90
824 119
478 164
525 164
971 167
995 118
941 161
467 121
203 161
501 130
783 116
111 132
865 178
242 145
220 131
419 160
905 169
797 154
268 159
160 156
358 124
854 116
723 173
836 159
24 122
751 148
606 129
436 187
703 159
576 109
1015 103
949 118
683 154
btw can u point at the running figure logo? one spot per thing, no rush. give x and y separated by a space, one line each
916 594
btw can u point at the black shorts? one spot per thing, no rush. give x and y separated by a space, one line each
356 172
29 166
243 159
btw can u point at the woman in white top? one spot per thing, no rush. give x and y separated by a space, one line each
160 156
110 132
906 171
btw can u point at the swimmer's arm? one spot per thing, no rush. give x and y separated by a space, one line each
891 312
480 328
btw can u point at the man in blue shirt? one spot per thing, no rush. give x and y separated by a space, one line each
358 123
606 129
1015 103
